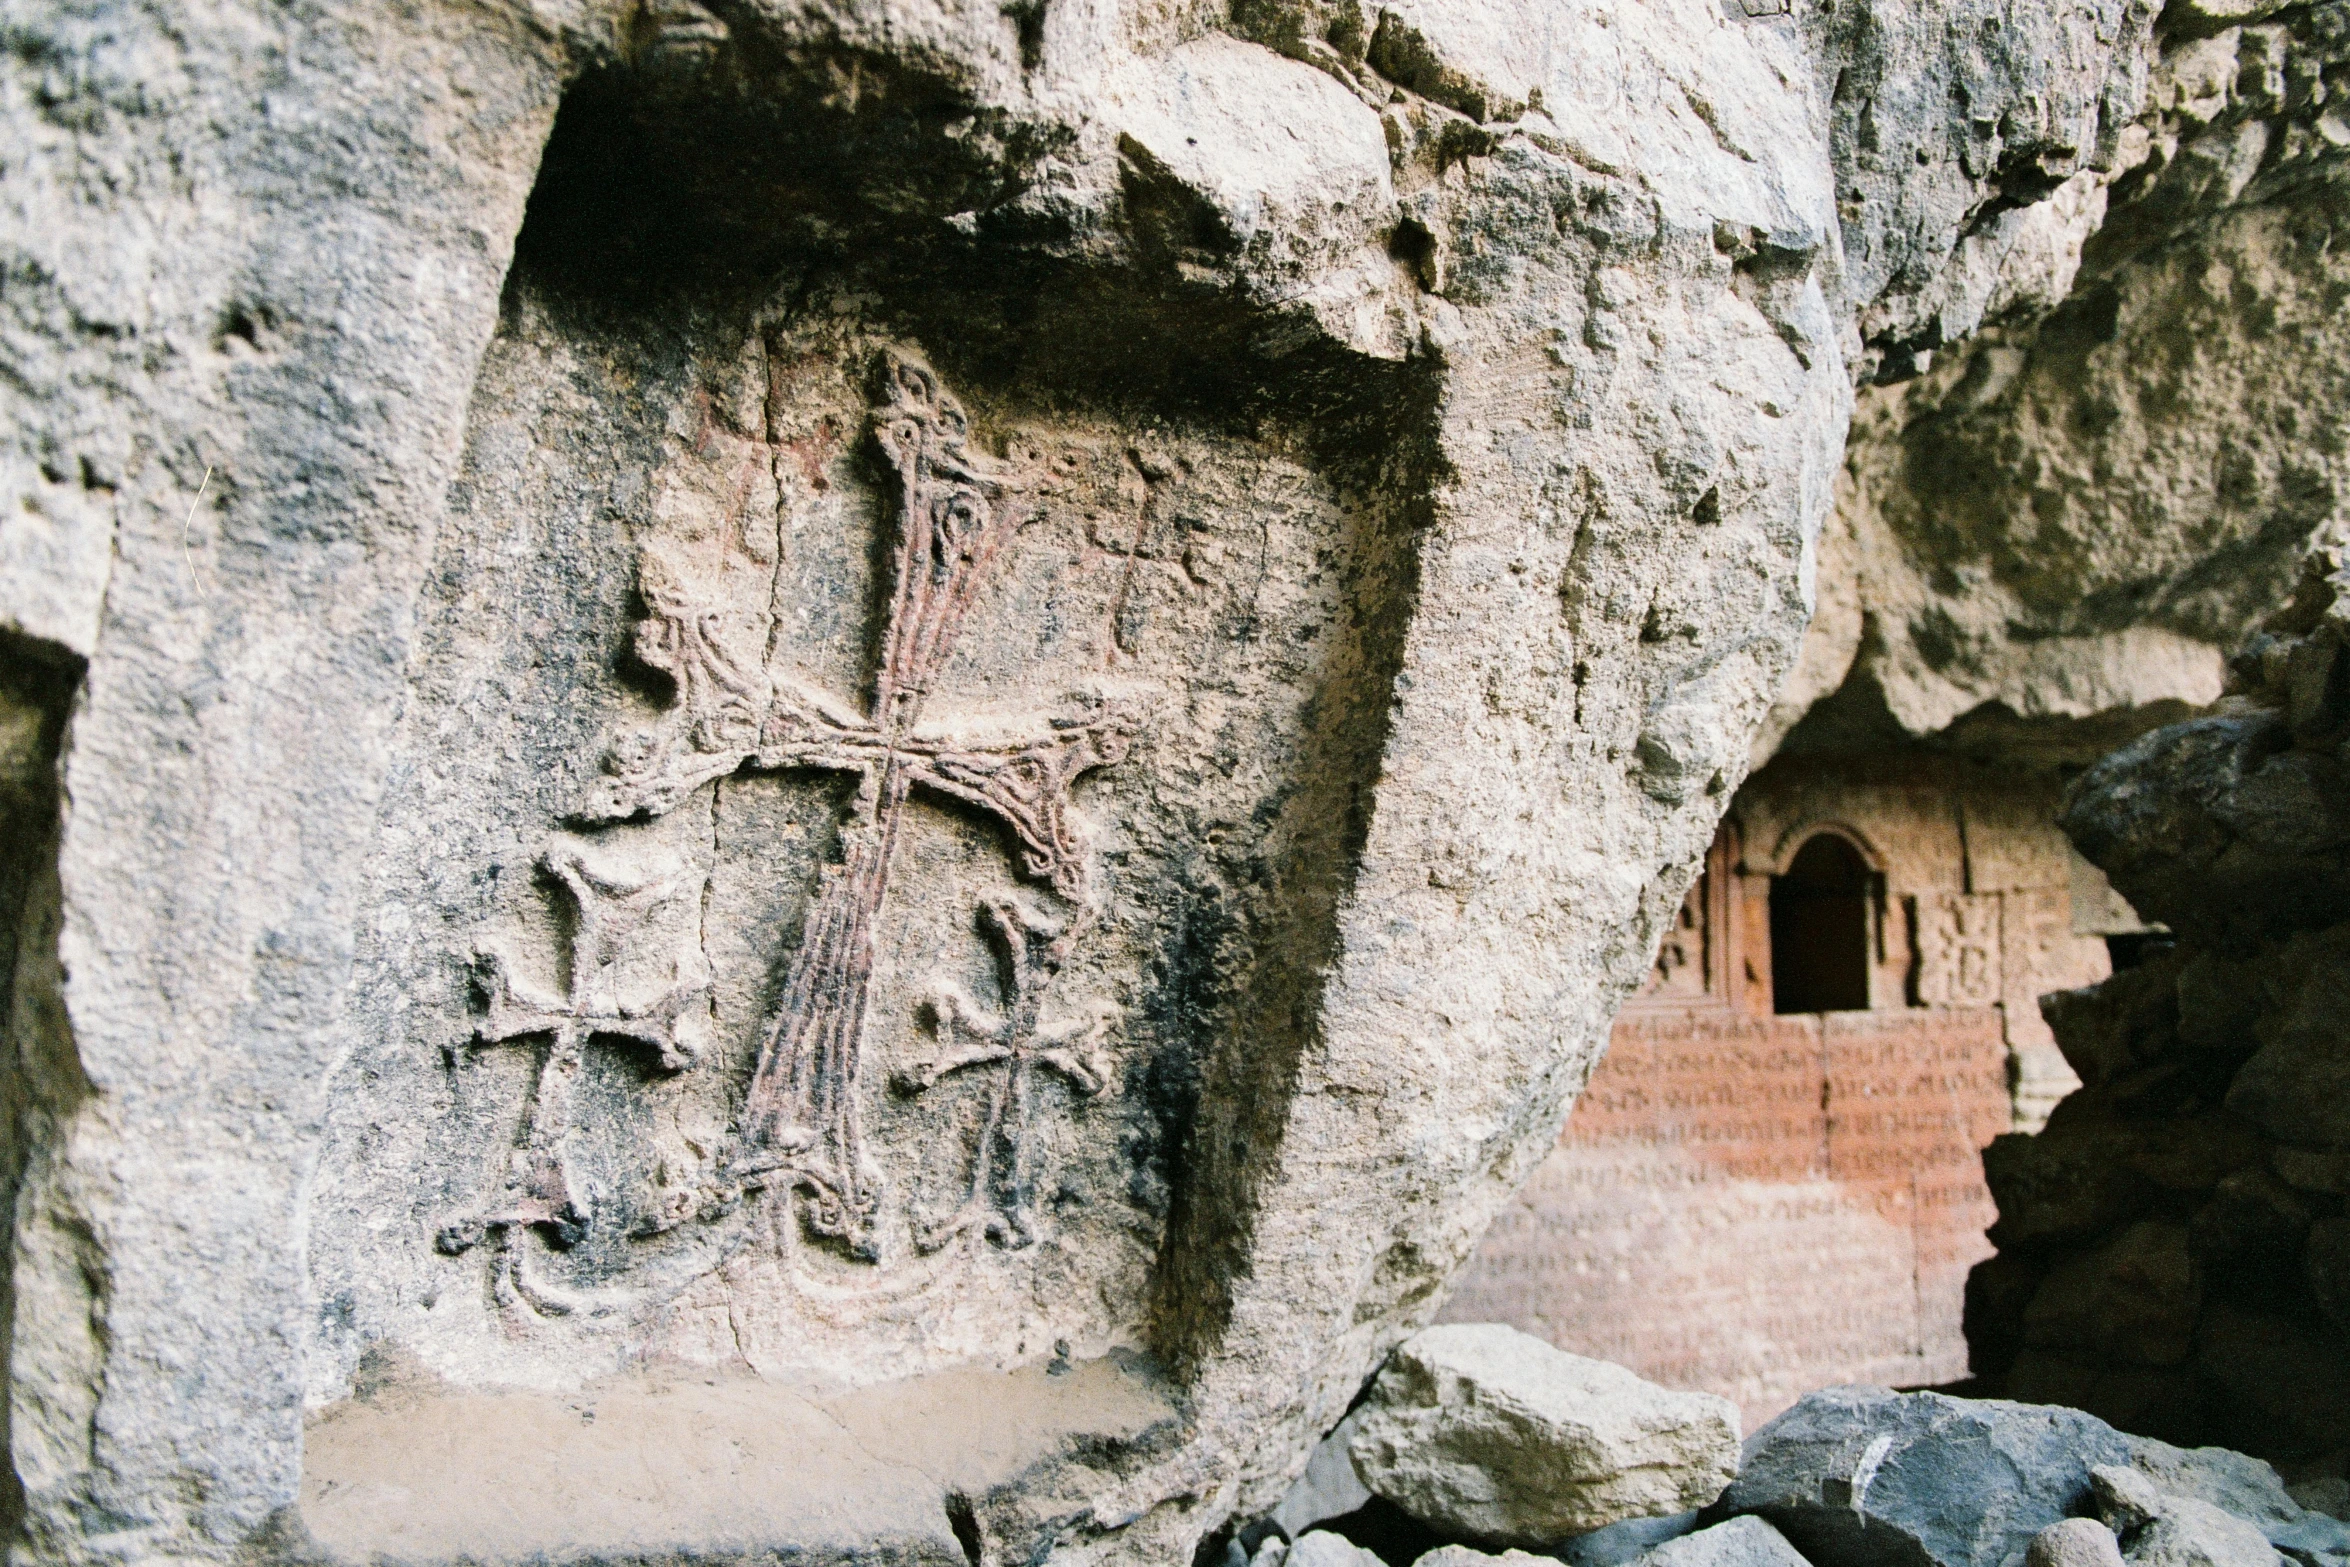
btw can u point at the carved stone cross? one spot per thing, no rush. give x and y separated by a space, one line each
611 909
957 514
1030 951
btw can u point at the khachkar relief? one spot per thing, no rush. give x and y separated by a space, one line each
797 1141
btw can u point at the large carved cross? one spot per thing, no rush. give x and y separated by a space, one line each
956 516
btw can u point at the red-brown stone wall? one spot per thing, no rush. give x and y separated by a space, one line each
1761 1205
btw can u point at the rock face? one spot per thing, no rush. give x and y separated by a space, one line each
2052 534
1865 1475
2168 1246
1482 1430
789 715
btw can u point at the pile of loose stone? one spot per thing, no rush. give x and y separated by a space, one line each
1502 1449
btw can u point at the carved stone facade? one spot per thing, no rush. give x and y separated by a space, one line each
1757 1202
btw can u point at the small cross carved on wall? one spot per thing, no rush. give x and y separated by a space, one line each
608 997
1030 950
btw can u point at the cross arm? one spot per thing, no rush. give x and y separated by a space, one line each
511 1010
657 771
1027 788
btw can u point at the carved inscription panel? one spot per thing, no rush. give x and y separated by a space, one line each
802 777
1757 1206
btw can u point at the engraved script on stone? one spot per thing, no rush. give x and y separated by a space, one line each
798 1137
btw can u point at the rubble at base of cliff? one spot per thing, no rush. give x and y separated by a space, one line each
1474 1435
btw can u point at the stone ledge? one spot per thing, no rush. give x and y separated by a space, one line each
680 1467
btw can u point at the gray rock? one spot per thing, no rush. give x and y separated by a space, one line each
1329 1488
2157 1529
1321 1548
1482 1430
2215 829
1860 1476
2075 1542
1741 1542
2328 1494
1619 1543
2244 1487
2236 1483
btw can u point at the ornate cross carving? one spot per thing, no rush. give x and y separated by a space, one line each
957 514
611 908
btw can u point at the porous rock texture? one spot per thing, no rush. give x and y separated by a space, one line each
833 718
1470 1556
1481 1430
1319 1548
2171 1247
1741 1542
2047 537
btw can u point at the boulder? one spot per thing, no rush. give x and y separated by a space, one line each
1864 1476
2075 1542
1329 1488
1470 1556
2157 1529
2244 1487
1482 1430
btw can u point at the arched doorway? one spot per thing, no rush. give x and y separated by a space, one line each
1820 929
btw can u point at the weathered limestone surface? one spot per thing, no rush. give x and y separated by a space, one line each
759 709
2052 534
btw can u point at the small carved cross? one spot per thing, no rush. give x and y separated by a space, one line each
611 910
1029 950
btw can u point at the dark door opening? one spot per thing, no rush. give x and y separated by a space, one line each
1820 930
